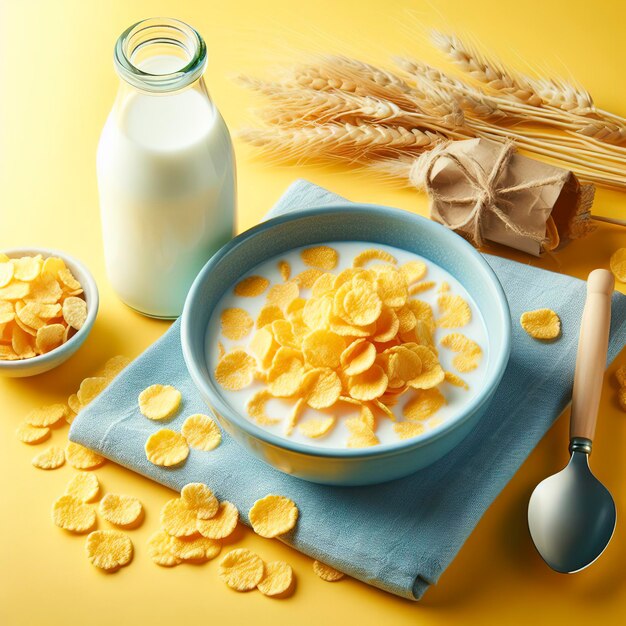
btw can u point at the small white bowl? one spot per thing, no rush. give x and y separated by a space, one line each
48 361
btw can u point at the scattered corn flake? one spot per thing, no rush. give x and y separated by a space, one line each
541 324
444 287
455 311
241 569
109 549
413 271
236 323
201 432
372 254
49 459
72 514
618 264
283 294
407 430
115 365
160 549
284 269
358 357
268 314
307 279
321 257
620 376
84 486
235 370
273 515
120 510
27 268
158 402
67 280
317 427
90 388
166 448
251 286
455 380
83 458
49 337
295 414
322 387
221 350
361 433
369 384
198 498
392 289
326 572
222 524
323 348
423 404
195 548
46 415
256 408
28 433
469 351
177 519
277 580
74 312
389 401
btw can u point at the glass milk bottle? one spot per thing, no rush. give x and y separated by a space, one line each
165 165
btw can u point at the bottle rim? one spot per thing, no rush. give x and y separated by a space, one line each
155 31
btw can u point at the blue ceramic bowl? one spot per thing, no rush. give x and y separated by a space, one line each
50 360
376 224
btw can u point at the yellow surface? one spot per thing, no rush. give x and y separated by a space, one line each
57 85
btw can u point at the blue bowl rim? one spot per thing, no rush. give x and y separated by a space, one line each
389 449
64 351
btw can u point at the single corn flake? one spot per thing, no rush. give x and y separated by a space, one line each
27 268
621 398
284 269
222 524
323 285
15 290
273 515
44 289
421 287
198 498
7 270
277 580
469 351
7 312
177 519
53 265
285 376
413 271
432 373
201 432
74 403
392 289
318 427
46 415
90 388
83 458
160 546
72 514
236 323
620 376
49 459
618 264
159 402
283 294
323 348
541 324
362 305
84 486
455 311
307 279
109 549
372 254
195 548
256 408
74 312
166 448
425 403
251 286
121 510
322 387
49 337
295 415
235 370
361 433
28 433
115 365
322 257
455 380
326 572
358 357
268 314
241 569
408 430
369 384
22 342
68 281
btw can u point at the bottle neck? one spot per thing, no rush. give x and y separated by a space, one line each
161 55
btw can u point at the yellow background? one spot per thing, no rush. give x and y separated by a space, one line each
56 86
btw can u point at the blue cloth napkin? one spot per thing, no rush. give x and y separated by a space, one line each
399 536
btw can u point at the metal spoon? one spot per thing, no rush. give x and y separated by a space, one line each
571 515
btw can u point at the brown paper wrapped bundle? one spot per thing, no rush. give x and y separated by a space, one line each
486 191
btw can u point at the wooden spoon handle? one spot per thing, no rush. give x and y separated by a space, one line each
591 358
